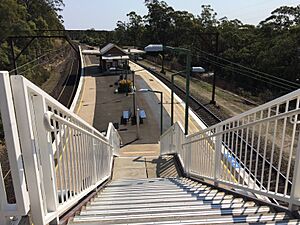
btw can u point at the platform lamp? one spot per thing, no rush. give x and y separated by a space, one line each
161 105
187 52
133 96
194 70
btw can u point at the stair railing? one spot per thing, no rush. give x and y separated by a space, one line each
114 139
257 151
64 158
21 205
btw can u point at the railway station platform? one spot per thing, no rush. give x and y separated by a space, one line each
99 105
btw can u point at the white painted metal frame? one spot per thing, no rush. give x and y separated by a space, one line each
21 207
114 139
63 156
221 153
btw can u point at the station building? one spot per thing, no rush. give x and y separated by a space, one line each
112 57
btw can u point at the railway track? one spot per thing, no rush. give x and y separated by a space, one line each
69 86
206 115
254 162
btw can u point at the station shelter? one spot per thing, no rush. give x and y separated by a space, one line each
112 57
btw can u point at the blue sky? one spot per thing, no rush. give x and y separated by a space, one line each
103 14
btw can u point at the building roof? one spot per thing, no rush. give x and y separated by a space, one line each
115 57
134 51
91 52
108 47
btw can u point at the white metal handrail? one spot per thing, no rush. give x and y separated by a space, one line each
257 151
50 115
64 158
12 142
114 137
82 161
269 119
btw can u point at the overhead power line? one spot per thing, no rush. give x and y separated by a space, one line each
259 78
248 68
38 58
41 63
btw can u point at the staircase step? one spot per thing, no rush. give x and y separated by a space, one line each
144 196
180 212
133 193
146 207
124 190
159 199
153 196
188 218
128 187
143 182
148 180
206 211
150 193
168 201
115 202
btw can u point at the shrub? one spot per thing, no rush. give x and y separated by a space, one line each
125 86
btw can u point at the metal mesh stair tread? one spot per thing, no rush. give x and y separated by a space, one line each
149 207
185 211
171 201
216 219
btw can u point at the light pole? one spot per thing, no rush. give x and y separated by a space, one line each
134 97
136 117
213 95
161 105
187 52
194 70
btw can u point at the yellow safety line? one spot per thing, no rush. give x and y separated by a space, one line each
224 165
60 157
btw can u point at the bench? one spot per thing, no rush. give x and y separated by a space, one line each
125 117
142 115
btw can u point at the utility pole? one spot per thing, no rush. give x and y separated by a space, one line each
187 90
163 63
213 96
14 63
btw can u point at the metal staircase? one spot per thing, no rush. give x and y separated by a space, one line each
173 201
57 161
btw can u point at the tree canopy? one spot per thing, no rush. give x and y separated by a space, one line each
24 17
272 47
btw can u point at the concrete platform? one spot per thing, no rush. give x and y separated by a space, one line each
99 105
136 150
145 167
87 102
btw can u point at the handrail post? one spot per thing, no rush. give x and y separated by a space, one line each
46 156
29 149
218 152
95 160
12 141
295 191
3 201
189 157
171 146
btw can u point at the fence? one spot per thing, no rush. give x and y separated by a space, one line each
64 158
257 151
